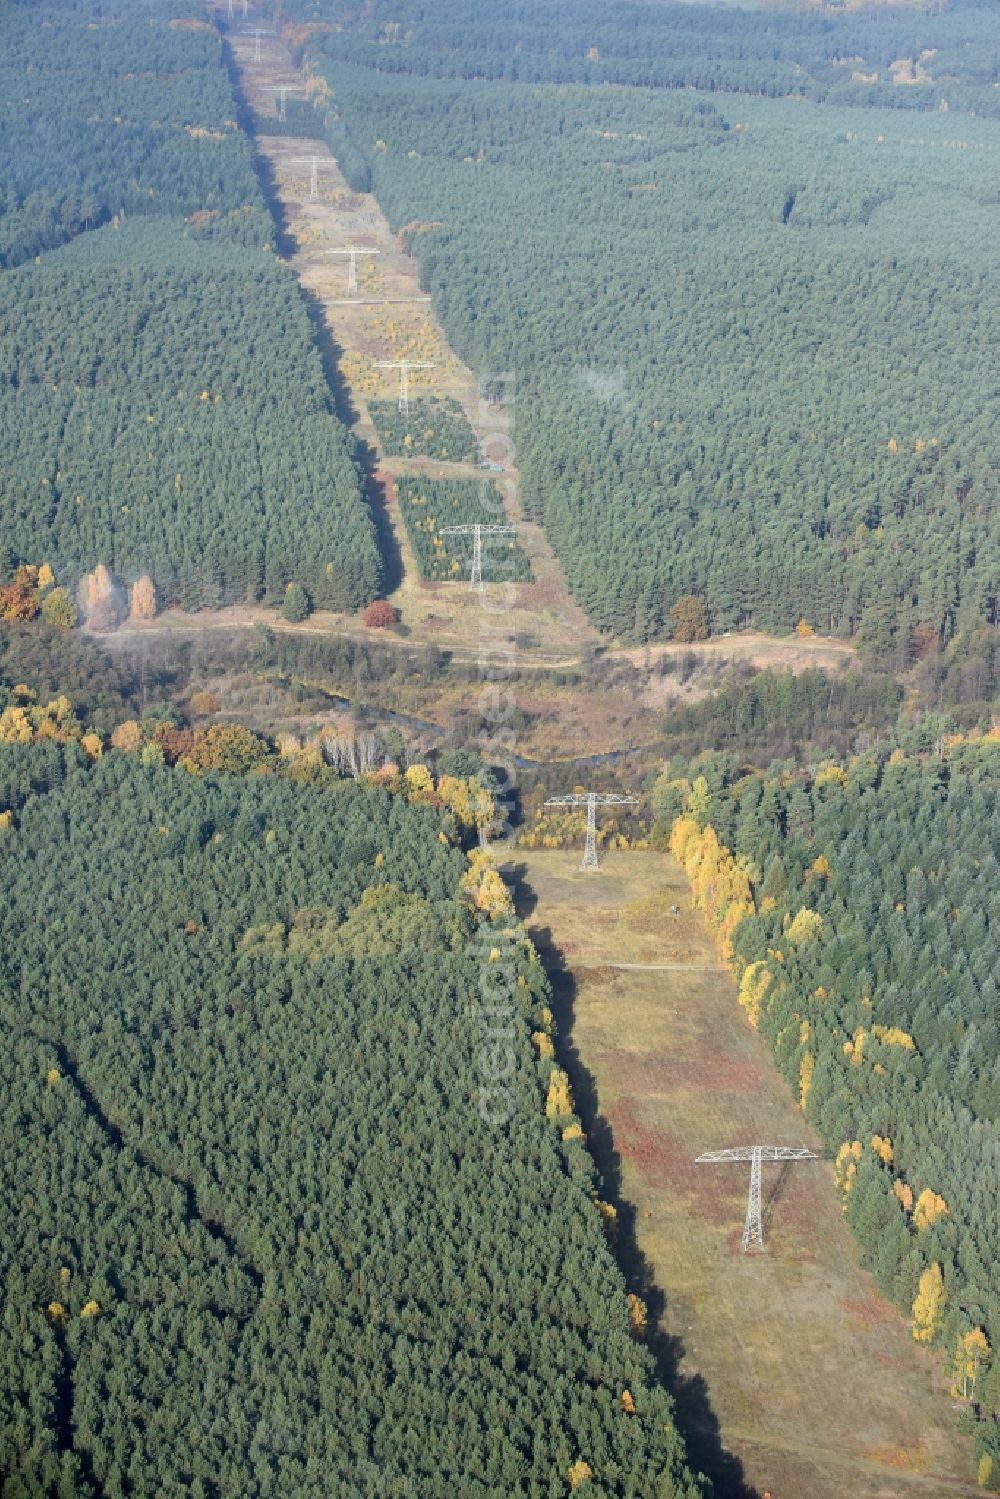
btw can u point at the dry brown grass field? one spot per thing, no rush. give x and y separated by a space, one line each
816 1383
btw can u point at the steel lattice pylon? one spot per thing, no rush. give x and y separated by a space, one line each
314 163
257 33
352 275
477 533
281 89
404 366
591 800
753 1228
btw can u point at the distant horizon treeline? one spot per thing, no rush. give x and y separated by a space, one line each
916 57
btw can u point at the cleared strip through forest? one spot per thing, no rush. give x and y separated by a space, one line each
388 318
816 1383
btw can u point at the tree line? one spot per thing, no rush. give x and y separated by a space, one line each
856 902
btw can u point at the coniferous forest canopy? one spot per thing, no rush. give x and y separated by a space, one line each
260 1238
865 898
165 411
754 331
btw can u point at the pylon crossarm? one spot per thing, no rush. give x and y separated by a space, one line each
601 799
471 530
314 163
404 366
766 1153
477 532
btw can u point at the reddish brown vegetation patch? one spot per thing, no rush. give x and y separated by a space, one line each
714 1069
608 977
870 1312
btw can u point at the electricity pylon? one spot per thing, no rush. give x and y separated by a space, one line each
405 366
257 33
315 164
281 89
753 1228
477 533
592 800
354 251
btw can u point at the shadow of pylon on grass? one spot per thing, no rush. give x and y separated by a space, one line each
696 1420
774 1197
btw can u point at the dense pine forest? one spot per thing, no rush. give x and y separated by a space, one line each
165 412
261 1237
857 904
295 1193
754 336
111 108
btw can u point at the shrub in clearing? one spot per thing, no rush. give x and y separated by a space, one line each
380 615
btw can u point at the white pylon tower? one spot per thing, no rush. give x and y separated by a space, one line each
753 1228
257 33
592 800
405 366
281 89
477 533
314 163
354 251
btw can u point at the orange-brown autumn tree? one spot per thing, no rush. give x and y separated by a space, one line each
689 618
19 599
142 600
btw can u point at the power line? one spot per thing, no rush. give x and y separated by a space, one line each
257 33
404 366
281 89
315 163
